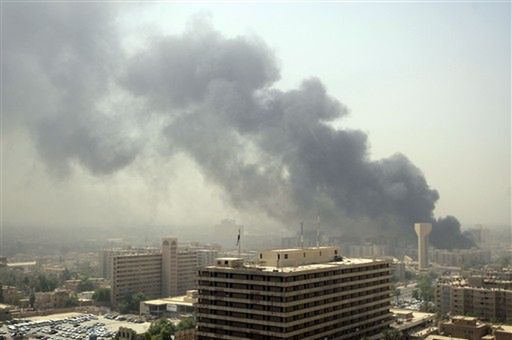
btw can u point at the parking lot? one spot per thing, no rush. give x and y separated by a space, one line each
72 326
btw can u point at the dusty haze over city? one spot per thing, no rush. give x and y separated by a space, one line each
171 117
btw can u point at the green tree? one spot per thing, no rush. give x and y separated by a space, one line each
161 329
131 303
85 285
102 295
1 293
72 301
66 275
32 299
186 323
504 261
416 294
425 287
393 334
397 293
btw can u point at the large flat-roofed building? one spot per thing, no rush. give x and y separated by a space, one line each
187 270
457 297
461 257
136 273
106 256
172 306
309 293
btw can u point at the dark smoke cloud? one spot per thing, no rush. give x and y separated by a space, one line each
58 62
270 150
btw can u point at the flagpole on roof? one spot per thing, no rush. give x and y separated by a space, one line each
238 243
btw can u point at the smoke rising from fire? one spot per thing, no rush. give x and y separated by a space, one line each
271 150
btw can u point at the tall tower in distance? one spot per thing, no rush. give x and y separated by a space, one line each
169 266
423 230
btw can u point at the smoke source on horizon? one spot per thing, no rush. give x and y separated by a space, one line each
271 151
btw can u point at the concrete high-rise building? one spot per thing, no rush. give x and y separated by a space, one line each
307 293
106 257
179 268
423 230
187 271
135 273
206 257
172 269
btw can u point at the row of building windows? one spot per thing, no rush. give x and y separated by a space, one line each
298 287
290 278
296 297
206 324
289 309
302 316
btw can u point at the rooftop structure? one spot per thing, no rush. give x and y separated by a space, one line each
408 320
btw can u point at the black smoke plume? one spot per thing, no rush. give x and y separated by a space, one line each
270 150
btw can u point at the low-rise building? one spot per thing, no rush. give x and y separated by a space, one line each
12 295
464 327
502 332
5 312
171 306
408 321
456 297
48 300
460 257
25 267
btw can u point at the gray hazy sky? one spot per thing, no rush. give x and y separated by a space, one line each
429 80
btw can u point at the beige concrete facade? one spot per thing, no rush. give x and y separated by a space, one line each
169 266
297 257
333 299
458 298
206 257
460 257
106 256
136 273
169 272
171 306
187 271
464 327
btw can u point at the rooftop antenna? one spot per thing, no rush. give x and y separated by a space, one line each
238 243
301 239
318 231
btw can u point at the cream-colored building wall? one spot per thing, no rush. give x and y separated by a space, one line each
298 257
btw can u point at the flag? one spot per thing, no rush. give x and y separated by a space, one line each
238 238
